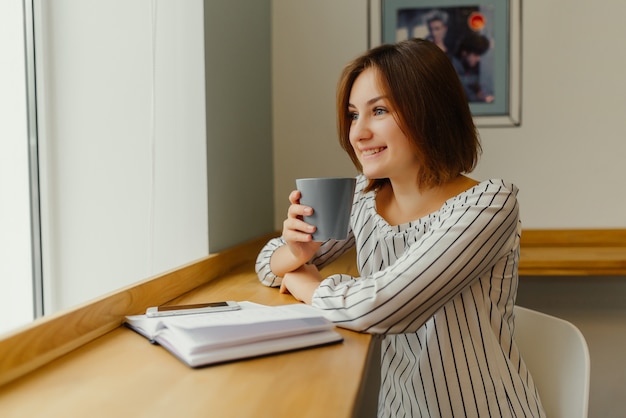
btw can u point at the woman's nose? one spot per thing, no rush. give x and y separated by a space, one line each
360 130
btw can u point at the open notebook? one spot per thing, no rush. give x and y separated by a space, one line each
254 330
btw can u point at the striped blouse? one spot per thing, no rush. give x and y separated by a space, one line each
441 291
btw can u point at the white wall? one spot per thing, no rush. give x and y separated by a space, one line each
239 121
567 156
311 42
122 143
16 300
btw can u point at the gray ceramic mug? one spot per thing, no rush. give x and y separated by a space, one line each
331 200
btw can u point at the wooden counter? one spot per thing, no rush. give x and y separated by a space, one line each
82 362
120 374
577 252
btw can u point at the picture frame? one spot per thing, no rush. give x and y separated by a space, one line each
482 39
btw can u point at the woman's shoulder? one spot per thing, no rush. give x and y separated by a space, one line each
488 192
487 199
499 185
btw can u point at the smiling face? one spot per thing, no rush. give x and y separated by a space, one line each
379 143
402 111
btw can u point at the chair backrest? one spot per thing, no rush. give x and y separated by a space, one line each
557 356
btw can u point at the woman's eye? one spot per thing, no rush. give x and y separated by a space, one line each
353 116
380 111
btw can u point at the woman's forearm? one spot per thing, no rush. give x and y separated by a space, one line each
283 261
302 283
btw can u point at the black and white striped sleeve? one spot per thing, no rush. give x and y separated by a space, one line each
464 242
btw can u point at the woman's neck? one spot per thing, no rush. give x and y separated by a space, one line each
402 203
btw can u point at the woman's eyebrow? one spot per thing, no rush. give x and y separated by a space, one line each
370 101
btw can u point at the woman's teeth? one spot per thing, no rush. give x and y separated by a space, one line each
373 151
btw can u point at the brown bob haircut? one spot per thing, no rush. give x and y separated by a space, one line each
430 107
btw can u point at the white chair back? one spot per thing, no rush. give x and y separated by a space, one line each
557 356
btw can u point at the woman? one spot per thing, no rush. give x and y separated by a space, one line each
437 251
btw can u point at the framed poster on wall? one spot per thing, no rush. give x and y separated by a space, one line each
481 38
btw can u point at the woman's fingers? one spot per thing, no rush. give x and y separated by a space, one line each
297 230
294 227
294 197
298 211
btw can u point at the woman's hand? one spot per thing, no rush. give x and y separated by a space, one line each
302 283
296 232
300 246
